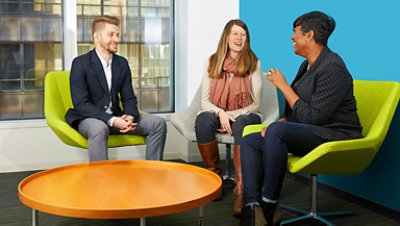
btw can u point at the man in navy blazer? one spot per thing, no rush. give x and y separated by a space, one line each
100 80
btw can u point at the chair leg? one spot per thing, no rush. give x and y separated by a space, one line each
313 214
228 169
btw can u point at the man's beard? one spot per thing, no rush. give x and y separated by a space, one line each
109 48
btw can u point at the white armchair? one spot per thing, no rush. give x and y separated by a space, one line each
184 121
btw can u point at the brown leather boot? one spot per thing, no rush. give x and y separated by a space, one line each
210 155
238 193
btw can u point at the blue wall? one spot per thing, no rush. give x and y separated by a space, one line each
367 37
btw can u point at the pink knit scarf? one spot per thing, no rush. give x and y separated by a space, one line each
232 95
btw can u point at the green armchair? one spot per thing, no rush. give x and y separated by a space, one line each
376 105
57 100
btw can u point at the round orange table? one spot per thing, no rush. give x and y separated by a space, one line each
119 189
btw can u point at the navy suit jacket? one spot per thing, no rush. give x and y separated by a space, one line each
326 99
90 93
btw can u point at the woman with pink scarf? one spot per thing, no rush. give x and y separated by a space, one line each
231 90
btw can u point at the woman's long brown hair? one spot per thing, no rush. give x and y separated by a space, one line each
246 61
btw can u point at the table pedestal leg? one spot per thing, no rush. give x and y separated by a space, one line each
142 221
201 215
34 217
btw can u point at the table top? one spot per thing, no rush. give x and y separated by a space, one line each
119 189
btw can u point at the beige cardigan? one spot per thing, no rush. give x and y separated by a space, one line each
256 85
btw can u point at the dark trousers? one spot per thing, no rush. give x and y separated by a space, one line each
207 124
264 160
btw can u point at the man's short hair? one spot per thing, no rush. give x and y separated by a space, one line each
99 22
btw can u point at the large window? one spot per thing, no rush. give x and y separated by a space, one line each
31 37
145 42
30 46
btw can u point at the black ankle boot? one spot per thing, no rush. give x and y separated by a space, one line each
269 212
247 216
252 216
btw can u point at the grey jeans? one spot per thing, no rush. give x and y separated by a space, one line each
97 132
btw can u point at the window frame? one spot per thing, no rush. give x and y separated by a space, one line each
73 46
69 52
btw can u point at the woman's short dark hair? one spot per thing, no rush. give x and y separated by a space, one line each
322 25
